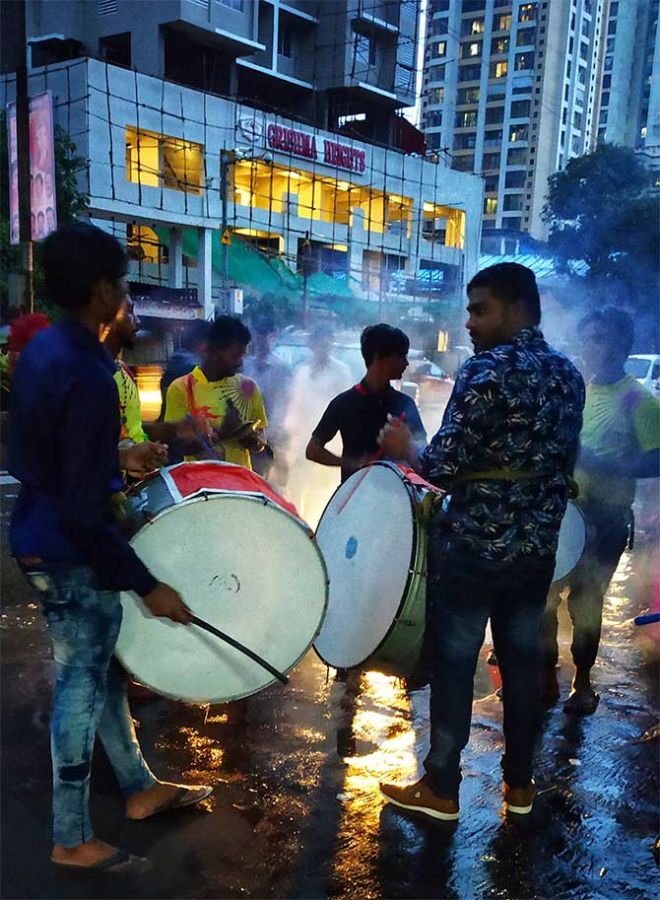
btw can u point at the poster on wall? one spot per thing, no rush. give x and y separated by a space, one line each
43 207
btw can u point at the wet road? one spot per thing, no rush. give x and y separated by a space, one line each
296 812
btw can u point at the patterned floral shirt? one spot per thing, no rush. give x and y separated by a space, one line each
517 406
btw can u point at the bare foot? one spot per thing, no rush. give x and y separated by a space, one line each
164 795
91 853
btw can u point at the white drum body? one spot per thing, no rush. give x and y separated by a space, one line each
243 564
375 551
572 540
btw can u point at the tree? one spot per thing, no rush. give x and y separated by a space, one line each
71 203
601 210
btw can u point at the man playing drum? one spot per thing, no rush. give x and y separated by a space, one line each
506 448
64 431
216 392
361 412
620 442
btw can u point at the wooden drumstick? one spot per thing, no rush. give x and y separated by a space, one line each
238 646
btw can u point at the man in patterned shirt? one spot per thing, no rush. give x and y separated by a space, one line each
505 451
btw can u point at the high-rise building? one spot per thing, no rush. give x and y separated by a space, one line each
629 82
510 94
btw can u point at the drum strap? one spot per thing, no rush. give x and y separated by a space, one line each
515 475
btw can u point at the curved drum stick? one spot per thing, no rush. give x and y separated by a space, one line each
238 646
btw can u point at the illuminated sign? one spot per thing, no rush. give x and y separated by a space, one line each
300 143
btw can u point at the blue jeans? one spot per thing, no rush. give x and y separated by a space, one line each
89 697
463 593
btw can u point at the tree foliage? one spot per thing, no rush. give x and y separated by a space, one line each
601 209
71 203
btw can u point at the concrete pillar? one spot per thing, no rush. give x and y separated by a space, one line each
175 279
205 272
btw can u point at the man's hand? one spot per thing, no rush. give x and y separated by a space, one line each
254 440
231 423
140 459
166 603
396 440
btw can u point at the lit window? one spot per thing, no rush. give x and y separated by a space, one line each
444 221
527 12
502 23
499 69
159 160
474 48
490 206
441 48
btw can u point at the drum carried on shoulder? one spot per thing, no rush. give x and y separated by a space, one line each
242 560
373 535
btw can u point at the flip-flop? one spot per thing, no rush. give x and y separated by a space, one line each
578 707
121 860
181 798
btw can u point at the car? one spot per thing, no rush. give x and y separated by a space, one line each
645 367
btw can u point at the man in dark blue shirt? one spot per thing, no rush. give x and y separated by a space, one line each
64 432
359 413
506 450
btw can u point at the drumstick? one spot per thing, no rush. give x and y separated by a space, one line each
238 646
204 443
358 481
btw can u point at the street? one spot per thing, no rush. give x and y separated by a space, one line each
296 811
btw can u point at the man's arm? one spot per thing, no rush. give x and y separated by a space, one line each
323 433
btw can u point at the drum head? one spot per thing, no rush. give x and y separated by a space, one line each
366 535
241 564
572 537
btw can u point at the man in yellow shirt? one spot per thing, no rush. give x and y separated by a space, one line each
216 392
619 443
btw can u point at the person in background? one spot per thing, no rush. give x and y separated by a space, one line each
215 391
360 413
506 451
619 443
313 386
63 449
273 377
188 355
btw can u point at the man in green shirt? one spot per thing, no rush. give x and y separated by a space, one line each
619 443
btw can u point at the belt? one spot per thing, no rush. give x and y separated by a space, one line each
515 475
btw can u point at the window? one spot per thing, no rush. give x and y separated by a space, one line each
465 141
515 179
499 45
611 26
365 50
284 40
490 183
494 115
602 118
605 98
436 95
490 161
116 48
502 22
473 48
434 140
567 90
584 50
466 119
513 202
517 156
473 26
586 27
440 48
493 138
469 73
512 223
434 119
490 206
467 95
498 69
608 62
438 6
159 160
463 163
577 120
527 12
440 26
582 75
473 5
520 109
518 133
614 8
524 61
609 45
571 45
525 36
234 4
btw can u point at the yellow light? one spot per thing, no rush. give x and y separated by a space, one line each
429 207
290 173
443 341
343 185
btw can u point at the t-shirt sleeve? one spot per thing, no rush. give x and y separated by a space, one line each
647 423
330 422
176 405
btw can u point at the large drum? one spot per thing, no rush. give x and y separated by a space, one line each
373 535
242 560
373 539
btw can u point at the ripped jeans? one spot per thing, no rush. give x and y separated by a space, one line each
89 696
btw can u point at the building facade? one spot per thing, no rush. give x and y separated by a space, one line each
180 171
510 93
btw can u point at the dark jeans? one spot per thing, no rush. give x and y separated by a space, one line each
606 540
463 593
89 697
